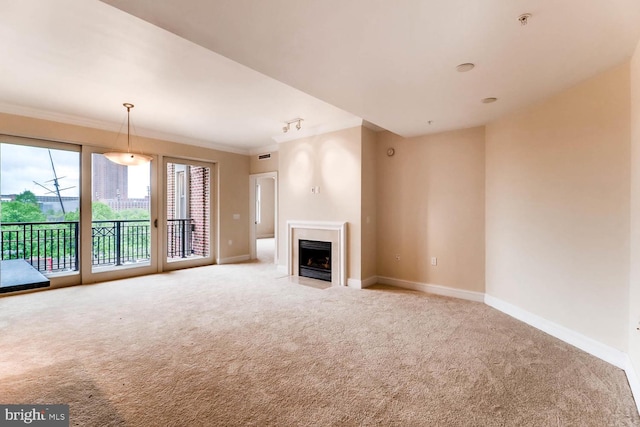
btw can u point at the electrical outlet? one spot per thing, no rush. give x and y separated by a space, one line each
230 242
434 261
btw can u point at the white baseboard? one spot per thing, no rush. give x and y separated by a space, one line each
433 289
584 343
361 284
233 259
282 269
602 351
634 381
595 348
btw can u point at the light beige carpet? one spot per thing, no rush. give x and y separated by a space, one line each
236 345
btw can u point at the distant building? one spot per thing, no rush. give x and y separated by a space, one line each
49 203
109 180
124 204
188 198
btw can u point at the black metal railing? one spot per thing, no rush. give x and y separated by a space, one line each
48 246
54 246
118 242
180 237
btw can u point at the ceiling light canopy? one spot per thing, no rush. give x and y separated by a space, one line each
128 158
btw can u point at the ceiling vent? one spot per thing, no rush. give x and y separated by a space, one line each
264 156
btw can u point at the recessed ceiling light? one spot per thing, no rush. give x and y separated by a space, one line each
489 100
463 68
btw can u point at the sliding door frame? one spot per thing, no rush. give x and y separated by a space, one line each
58 280
86 199
167 265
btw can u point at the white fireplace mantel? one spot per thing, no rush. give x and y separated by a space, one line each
340 227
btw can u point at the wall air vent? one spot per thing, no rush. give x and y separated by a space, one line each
264 156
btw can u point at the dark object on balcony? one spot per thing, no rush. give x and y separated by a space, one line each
19 275
315 259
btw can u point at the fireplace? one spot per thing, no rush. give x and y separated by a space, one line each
314 259
333 232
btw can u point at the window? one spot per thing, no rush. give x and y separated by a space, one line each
40 204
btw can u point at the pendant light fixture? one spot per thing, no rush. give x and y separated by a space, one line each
128 158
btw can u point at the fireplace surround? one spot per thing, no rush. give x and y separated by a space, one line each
322 231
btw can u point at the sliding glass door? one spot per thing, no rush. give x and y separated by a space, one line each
70 211
188 204
40 204
119 228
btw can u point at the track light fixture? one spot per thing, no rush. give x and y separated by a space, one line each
298 121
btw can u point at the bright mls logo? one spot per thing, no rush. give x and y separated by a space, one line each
34 415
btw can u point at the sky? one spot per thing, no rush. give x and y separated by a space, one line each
21 165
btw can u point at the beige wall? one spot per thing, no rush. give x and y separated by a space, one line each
369 204
232 181
634 282
266 226
557 208
262 166
431 204
331 161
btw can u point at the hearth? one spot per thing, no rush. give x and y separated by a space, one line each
314 259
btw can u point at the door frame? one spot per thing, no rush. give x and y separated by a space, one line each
253 181
213 215
66 278
86 199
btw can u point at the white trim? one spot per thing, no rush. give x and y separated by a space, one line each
602 351
253 181
283 269
108 126
265 149
433 289
354 283
340 227
634 381
318 130
361 284
233 259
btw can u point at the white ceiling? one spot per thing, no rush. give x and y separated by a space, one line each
390 62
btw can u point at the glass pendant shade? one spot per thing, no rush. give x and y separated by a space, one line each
128 158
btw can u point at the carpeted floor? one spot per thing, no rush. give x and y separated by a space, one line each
265 249
237 345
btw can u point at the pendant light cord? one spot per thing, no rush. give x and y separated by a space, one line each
128 106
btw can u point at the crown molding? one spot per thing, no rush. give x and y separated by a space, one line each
70 119
19 110
372 126
264 149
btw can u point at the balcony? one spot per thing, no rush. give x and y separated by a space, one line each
53 247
